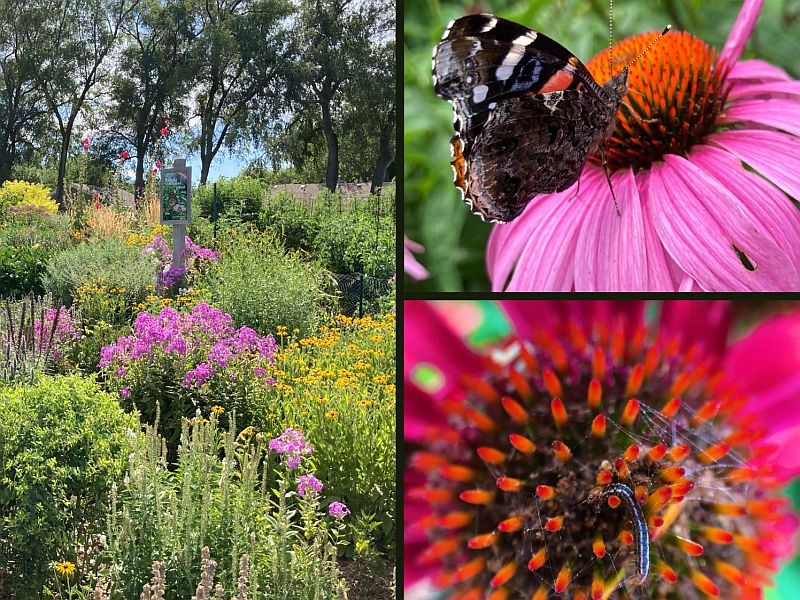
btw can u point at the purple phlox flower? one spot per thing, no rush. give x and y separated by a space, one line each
259 371
291 443
308 483
64 333
120 372
198 376
125 393
271 380
196 251
220 354
338 510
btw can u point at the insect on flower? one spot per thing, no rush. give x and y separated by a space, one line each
593 452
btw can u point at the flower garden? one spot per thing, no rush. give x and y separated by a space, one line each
222 429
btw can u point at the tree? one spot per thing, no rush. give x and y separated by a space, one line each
21 111
240 53
73 39
332 46
153 79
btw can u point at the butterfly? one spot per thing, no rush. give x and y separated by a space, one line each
527 112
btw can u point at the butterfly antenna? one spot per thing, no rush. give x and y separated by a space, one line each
650 45
611 37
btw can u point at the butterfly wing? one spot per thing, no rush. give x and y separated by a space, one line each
490 68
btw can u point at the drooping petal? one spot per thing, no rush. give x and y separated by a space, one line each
763 202
428 340
757 70
765 89
611 254
740 33
779 113
688 201
705 323
664 275
410 264
775 155
547 263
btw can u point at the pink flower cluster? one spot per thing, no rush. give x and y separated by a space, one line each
293 445
170 276
338 510
204 338
308 482
65 332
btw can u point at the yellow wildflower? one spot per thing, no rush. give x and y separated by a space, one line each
332 414
65 568
217 410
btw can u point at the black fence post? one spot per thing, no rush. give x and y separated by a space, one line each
360 295
214 210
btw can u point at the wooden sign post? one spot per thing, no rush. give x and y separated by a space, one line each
175 193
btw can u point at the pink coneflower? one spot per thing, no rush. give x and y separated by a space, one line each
594 450
410 264
703 172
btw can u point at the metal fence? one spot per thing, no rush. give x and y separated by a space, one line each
360 294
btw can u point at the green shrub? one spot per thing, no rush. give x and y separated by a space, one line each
216 497
22 269
357 242
35 227
262 285
296 225
238 198
31 195
62 444
110 261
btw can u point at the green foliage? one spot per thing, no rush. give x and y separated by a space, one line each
15 193
262 285
238 198
337 386
22 269
111 261
35 227
216 496
62 445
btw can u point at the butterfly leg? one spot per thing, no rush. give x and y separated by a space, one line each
608 178
577 191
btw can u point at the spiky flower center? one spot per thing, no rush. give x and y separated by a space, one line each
595 464
676 92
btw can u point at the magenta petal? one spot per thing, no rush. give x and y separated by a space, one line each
700 224
506 243
547 262
767 356
428 339
740 33
611 254
757 70
766 89
660 265
779 113
775 155
763 202
682 317
420 412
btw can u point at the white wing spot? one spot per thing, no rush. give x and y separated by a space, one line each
447 31
490 25
526 39
505 70
492 105
469 79
479 93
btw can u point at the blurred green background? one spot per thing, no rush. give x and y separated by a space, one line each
435 216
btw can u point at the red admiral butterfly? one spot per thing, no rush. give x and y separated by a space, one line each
527 112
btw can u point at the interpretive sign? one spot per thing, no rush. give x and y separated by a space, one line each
176 194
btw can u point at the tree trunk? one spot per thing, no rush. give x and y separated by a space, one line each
139 184
62 170
384 155
332 172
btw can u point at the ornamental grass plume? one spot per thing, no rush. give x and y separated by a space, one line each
703 160
599 454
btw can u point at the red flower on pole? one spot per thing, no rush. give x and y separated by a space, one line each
124 155
154 171
158 164
167 121
86 144
164 131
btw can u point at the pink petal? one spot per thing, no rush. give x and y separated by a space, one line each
774 112
740 33
757 70
415 540
410 264
611 254
420 412
762 201
506 243
660 265
699 222
767 356
681 317
764 89
775 155
547 262
428 339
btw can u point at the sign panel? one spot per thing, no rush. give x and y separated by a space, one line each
176 195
